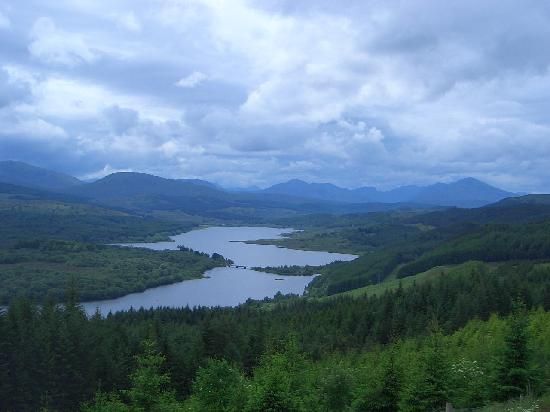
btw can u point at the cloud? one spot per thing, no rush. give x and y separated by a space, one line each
352 92
193 80
121 119
52 45
12 89
33 129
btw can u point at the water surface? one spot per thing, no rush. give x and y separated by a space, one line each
226 286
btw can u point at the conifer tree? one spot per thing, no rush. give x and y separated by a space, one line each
218 387
513 376
428 388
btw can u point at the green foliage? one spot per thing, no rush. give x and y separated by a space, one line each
278 383
150 389
106 403
490 244
218 387
402 244
428 386
514 377
55 358
150 385
39 268
336 389
382 391
25 218
468 383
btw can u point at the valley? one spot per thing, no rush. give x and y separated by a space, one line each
207 283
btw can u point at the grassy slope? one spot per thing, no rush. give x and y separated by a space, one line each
431 274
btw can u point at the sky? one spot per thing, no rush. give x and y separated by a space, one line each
242 93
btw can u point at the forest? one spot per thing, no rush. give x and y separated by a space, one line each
476 339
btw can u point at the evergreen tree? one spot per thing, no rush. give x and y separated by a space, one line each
384 391
278 384
428 389
513 377
218 387
150 389
336 389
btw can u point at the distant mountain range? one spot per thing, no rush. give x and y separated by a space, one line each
142 192
467 192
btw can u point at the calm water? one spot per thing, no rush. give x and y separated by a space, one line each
225 286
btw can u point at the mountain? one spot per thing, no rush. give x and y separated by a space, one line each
202 183
23 174
128 184
467 192
144 193
320 191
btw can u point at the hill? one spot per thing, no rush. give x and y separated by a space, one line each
403 243
28 213
23 174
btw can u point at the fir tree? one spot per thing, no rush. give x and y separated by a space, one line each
513 377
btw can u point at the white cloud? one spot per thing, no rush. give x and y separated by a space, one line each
34 128
53 45
193 80
71 99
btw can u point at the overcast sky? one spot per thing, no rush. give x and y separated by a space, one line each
241 93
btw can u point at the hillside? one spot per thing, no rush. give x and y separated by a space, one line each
28 213
446 339
23 174
402 244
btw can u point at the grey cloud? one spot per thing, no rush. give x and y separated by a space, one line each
121 119
11 91
352 92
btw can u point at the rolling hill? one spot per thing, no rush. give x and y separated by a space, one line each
23 174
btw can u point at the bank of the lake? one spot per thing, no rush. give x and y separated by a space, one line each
226 286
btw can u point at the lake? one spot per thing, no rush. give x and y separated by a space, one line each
225 286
